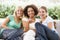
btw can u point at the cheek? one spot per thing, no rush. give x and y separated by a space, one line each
41 14
20 12
29 13
44 15
17 12
33 13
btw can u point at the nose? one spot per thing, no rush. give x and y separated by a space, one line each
31 12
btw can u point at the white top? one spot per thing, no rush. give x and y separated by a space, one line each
47 20
31 25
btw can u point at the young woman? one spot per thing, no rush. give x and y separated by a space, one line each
45 18
13 22
30 11
45 28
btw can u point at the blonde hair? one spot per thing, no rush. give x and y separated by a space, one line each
18 7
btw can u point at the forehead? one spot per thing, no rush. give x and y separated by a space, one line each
30 8
41 9
19 8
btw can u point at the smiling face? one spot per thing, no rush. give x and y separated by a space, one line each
19 12
30 12
42 13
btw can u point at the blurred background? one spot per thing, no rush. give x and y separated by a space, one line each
7 6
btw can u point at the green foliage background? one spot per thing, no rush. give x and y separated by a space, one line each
54 12
8 10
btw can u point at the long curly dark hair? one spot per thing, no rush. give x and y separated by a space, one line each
30 6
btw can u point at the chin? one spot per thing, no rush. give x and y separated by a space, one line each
20 17
42 17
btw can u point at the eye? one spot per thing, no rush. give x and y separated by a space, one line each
42 11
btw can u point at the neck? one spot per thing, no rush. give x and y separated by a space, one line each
17 19
43 18
33 18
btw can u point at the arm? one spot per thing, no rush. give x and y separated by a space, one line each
50 25
4 23
26 26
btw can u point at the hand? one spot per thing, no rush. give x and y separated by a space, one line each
30 20
6 28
